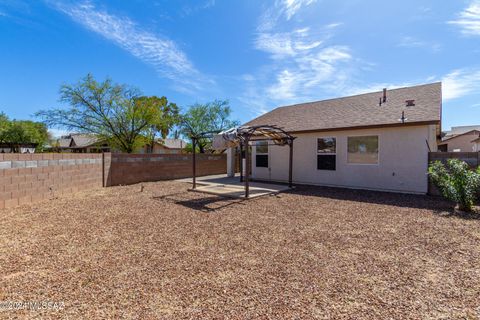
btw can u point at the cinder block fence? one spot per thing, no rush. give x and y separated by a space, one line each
28 178
134 168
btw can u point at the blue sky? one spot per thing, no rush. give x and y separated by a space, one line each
257 54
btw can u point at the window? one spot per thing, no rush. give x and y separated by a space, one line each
363 150
326 153
261 156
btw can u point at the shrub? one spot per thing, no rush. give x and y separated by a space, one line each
456 181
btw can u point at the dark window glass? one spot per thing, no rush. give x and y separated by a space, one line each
326 162
261 160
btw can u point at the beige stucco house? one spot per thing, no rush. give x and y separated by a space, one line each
377 141
463 142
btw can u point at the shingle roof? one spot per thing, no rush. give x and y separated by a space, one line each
471 132
359 111
64 143
460 130
83 140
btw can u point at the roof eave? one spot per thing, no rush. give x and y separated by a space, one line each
375 126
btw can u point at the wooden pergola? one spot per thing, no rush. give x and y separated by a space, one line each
242 137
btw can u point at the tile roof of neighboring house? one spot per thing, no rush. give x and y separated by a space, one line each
359 111
83 140
173 143
445 140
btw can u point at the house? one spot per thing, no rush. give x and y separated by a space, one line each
377 141
165 146
81 143
460 140
18 147
454 131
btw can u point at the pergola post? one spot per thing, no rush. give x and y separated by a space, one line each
247 173
290 164
241 162
194 168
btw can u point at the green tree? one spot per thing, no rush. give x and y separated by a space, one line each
18 132
108 110
211 116
4 122
167 115
456 182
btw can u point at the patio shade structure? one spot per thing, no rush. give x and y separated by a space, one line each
241 137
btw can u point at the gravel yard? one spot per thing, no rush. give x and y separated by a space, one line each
315 253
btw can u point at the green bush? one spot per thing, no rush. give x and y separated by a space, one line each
456 181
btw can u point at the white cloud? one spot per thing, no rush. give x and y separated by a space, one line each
285 44
291 7
301 62
456 84
160 52
412 42
191 9
282 8
469 19
302 65
461 82
286 86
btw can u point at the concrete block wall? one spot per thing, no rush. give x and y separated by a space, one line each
28 178
134 168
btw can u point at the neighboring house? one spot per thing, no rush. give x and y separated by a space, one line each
82 143
18 148
376 141
476 145
459 142
455 131
165 146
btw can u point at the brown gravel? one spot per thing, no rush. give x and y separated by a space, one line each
315 253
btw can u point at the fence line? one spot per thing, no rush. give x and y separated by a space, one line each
472 158
26 178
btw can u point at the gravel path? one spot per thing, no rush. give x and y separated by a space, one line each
315 253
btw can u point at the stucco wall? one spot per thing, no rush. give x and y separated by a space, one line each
462 143
403 161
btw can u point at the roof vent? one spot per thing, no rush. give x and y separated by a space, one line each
403 118
410 103
384 95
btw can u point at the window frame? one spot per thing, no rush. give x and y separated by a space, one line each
378 150
257 143
327 153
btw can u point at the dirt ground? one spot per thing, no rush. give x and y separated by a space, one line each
166 253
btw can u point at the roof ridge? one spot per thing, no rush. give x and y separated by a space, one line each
356 95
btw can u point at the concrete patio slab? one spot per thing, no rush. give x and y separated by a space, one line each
231 187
